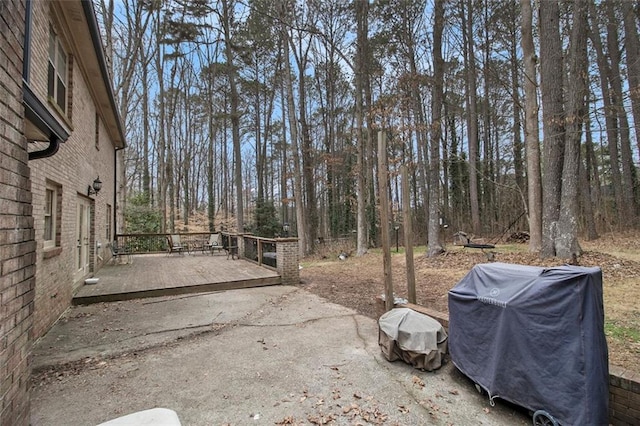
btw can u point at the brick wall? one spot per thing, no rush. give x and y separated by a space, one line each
624 397
17 246
72 169
287 258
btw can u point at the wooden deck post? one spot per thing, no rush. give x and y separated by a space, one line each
408 235
383 197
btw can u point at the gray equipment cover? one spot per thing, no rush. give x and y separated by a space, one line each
417 339
534 336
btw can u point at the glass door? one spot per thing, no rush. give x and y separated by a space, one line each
82 252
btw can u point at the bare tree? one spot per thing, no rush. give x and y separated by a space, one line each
362 16
626 157
304 245
551 84
610 114
227 24
566 241
471 100
531 133
435 246
632 49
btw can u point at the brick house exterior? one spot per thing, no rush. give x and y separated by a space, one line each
17 245
73 228
59 131
74 131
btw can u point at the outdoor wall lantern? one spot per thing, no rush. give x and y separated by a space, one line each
95 188
285 228
396 227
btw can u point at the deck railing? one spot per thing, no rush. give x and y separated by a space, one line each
257 249
280 254
157 243
260 250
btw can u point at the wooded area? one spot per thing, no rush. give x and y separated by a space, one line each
509 115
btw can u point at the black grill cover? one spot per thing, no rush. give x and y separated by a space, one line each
534 336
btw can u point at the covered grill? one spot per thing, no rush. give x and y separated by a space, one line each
535 337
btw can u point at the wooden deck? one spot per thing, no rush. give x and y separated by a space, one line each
154 275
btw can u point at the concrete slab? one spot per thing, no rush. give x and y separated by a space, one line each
269 355
109 329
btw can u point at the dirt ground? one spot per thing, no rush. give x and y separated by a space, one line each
356 281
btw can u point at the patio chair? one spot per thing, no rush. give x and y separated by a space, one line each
214 243
231 247
174 245
120 250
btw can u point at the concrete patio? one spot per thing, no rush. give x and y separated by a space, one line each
266 355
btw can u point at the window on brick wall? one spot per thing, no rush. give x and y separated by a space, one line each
58 72
108 236
52 213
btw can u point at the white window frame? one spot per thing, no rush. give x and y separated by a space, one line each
58 73
51 231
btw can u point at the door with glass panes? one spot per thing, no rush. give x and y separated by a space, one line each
83 237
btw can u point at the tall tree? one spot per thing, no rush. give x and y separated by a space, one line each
362 35
588 195
227 23
124 65
632 49
551 84
300 48
626 156
516 79
531 133
471 100
566 241
610 113
304 245
435 246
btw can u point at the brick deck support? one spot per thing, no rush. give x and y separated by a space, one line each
287 255
17 244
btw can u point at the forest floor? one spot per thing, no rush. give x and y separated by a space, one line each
357 281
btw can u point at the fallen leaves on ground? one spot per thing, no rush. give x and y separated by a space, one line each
417 381
358 281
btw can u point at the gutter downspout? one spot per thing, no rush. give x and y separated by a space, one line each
115 192
48 151
26 59
33 108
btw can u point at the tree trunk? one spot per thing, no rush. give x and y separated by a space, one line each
146 175
303 244
471 100
308 175
585 192
551 84
362 9
518 162
435 245
593 179
632 47
626 156
610 115
162 143
566 243
531 132
487 196
284 193
235 114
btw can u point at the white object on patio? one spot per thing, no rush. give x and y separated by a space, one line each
154 416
